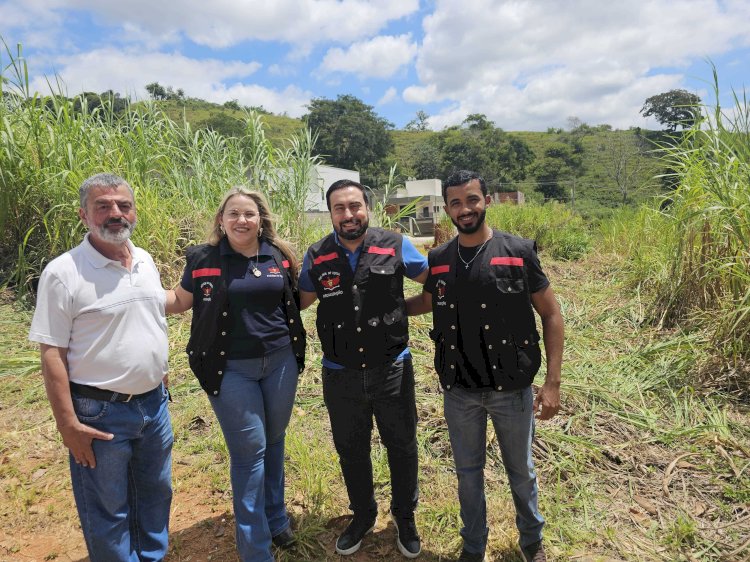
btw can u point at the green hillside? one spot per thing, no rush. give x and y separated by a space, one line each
592 193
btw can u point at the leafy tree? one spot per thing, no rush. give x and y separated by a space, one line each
419 123
426 161
156 91
224 124
232 104
673 108
561 162
479 145
350 134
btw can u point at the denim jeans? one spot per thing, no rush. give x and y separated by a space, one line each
124 502
253 409
353 397
513 418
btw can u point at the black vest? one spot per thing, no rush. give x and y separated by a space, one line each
212 322
362 320
500 288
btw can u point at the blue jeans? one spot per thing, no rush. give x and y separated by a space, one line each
353 397
124 502
513 418
253 409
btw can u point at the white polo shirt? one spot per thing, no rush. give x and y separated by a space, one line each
112 321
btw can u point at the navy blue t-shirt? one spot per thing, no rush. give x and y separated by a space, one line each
256 303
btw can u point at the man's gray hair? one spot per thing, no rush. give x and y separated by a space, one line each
103 179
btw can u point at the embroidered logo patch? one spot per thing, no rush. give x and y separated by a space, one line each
274 270
440 290
330 280
207 288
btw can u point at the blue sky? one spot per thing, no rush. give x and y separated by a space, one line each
527 65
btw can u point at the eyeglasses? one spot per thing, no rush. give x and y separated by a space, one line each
235 215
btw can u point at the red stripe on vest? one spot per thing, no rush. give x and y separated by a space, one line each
327 257
285 263
381 251
507 261
440 269
206 272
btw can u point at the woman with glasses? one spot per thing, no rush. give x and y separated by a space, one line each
247 348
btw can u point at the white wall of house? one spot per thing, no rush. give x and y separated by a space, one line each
323 177
421 188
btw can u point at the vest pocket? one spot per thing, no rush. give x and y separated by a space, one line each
510 285
529 354
439 359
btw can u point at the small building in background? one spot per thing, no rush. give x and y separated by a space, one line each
515 197
427 198
323 177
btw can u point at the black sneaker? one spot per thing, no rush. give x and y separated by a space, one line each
471 557
534 552
351 539
407 539
285 539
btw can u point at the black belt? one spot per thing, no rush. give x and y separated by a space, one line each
106 395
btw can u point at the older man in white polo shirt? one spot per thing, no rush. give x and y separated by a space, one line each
101 324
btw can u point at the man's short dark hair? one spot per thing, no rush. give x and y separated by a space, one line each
460 177
341 184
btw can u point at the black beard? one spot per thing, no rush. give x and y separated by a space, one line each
353 235
471 229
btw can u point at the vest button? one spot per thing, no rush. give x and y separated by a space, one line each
223 313
288 303
223 333
494 366
453 347
291 320
447 386
525 342
504 342
354 287
356 308
453 327
220 372
453 366
358 328
486 326
204 353
364 365
216 392
452 305
295 338
191 353
221 353
499 387
484 305
361 349
489 346
338 326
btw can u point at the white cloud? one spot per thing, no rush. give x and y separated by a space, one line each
222 23
531 64
213 80
389 95
380 57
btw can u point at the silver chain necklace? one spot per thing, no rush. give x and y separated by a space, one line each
468 263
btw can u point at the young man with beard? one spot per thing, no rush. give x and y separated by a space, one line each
483 288
101 324
358 273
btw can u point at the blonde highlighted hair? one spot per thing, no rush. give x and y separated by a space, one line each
266 223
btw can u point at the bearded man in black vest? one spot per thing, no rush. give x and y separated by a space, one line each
483 288
357 273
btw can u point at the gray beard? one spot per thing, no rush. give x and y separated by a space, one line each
116 237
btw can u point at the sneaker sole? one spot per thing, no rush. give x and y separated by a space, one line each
401 548
355 548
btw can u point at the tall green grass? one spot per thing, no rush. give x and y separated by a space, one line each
48 146
691 256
